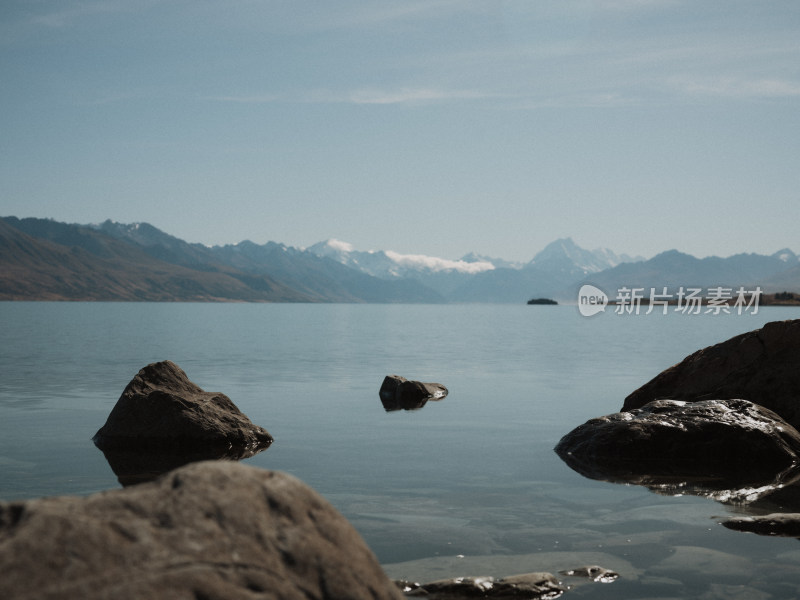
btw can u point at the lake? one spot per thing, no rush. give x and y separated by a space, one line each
468 485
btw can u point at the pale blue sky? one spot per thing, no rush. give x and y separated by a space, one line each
436 127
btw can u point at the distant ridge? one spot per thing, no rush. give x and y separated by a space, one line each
42 259
45 260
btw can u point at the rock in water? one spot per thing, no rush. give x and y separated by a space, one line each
733 439
162 409
593 573
399 393
208 530
775 524
762 366
531 586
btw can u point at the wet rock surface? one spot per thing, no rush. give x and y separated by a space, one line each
161 409
207 530
399 393
593 573
776 524
724 442
528 585
762 366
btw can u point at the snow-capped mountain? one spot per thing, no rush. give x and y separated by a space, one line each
388 264
564 256
116 261
787 256
477 278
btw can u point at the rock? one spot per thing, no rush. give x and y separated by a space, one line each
593 573
732 441
776 524
543 301
160 409
528 585
762 366
208 530
398 393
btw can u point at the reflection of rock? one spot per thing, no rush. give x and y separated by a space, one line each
136 466
399 393
714 445
777 524
207 530
762 366
161 409
529 585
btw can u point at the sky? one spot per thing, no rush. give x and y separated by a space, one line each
433 127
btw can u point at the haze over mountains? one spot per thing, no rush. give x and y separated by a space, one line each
42 259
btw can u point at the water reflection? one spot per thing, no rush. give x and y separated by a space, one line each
132 467
392 404
737 489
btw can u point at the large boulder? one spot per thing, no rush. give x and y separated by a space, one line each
398 393
208 530
727 441
161 409
762 366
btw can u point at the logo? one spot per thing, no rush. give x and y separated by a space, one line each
591 300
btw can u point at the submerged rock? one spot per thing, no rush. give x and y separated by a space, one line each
723 442
528 585
776 524
593 573
206 530
161 409
762 366
398 393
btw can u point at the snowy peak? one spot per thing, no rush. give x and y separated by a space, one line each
786 256
565 256
331 248
142 234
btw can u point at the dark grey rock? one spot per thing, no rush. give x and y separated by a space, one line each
398 393
161 409
210 530
776 524
529 585
723 442
762 366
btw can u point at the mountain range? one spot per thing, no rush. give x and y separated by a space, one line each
42 259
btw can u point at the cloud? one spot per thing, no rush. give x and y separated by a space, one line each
66 14
247 99
402 95
340 245
738 87
411 95
438 264
372 14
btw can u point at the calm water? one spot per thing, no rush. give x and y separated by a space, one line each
466 486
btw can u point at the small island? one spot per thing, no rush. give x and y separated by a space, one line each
542 301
